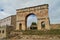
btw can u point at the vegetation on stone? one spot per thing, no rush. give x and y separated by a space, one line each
47 32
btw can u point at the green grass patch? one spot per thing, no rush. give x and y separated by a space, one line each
40 32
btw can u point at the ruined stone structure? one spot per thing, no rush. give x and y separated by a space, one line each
8 21
19 22
5 31
2 32
7 25
41 11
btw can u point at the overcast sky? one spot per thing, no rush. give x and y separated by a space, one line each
9 7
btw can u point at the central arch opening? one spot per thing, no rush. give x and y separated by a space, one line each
31 21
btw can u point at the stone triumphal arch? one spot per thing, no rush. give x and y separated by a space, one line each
41 11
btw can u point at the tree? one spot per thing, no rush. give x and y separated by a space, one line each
34 23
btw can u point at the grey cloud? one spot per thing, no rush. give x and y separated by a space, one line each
10 7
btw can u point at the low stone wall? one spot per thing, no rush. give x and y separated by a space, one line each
55 26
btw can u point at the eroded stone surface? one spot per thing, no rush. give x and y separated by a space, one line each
37 37
40 11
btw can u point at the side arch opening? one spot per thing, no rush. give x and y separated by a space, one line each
20 26
43 25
